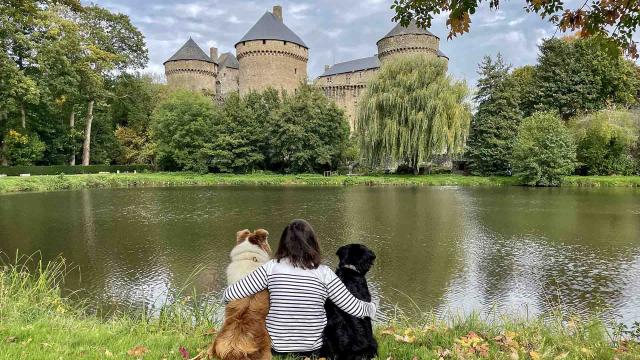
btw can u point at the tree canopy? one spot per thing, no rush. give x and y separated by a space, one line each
411 111
616 19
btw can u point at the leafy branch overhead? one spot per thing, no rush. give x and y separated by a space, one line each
616 19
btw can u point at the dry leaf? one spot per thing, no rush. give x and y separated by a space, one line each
211 331
534 355
108 353
138 351
388 331
11 339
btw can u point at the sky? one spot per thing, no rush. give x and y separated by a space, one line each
334 30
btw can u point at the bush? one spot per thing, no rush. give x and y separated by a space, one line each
606 143
21 149
71 170
544 151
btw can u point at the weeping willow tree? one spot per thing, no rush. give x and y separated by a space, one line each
411 111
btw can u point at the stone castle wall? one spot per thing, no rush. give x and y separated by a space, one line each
271 63
393 46
346 89
191 75
228 80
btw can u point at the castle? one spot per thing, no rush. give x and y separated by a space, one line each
272 55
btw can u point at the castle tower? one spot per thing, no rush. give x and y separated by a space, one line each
407 40
271 55
191 69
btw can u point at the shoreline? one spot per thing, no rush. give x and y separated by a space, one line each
46 183
37 322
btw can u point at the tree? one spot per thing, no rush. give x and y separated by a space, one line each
261 106
411 111
605 142
183 127
495 125
308 133
616 19
113 44
22 149
544 151
575 76
238 135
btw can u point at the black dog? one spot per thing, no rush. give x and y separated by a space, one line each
347 337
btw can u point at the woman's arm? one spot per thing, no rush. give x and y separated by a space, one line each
249 285
348 303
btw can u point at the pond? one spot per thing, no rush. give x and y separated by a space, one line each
443 248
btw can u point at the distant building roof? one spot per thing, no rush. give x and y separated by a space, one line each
411 29
271 28
441 54
371 62
190 51
228 60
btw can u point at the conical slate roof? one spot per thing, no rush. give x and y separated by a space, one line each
190 51
411 29
228 60
271 28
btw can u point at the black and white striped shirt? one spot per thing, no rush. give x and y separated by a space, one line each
296 316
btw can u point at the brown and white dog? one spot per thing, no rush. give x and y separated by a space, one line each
244 334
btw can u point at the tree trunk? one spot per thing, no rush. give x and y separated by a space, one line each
3 160
72 124
86 146
23 116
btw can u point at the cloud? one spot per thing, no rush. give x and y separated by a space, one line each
335 30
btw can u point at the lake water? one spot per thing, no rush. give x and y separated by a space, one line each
444 248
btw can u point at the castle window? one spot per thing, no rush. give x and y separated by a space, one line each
285 42
295 71
264 42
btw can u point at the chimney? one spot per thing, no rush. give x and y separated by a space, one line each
213 52
277 12
326 67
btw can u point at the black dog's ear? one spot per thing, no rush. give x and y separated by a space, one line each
342 252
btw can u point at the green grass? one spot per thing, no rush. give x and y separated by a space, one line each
36 322
91 181
74 182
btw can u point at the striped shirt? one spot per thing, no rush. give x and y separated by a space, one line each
296 316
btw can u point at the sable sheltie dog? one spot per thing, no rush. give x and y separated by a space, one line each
244 334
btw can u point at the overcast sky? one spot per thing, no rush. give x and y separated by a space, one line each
335 30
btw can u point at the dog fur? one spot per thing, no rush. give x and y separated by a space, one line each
347 337
244 333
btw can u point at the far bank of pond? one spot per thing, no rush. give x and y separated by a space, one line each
90 181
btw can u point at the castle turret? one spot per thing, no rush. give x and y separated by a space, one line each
407 40
271 55
192 69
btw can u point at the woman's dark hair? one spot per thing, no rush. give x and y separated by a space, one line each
299 244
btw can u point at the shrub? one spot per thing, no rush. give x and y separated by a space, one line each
606 142
544 150
21 149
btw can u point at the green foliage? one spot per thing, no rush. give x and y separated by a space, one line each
574 76
21 149
606 141
183 127
495 125
412 111
617 20
544 151
308 133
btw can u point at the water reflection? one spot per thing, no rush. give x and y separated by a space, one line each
446 248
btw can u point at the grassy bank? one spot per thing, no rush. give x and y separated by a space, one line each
74 182
37 323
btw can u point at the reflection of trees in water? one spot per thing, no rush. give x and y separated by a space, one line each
528 246
414 232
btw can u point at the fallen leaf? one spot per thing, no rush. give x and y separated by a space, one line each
138 351
388 331
534 355
561 356
11 339
211 331
514 355
183 352
108 353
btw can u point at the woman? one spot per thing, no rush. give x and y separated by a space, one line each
298 287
